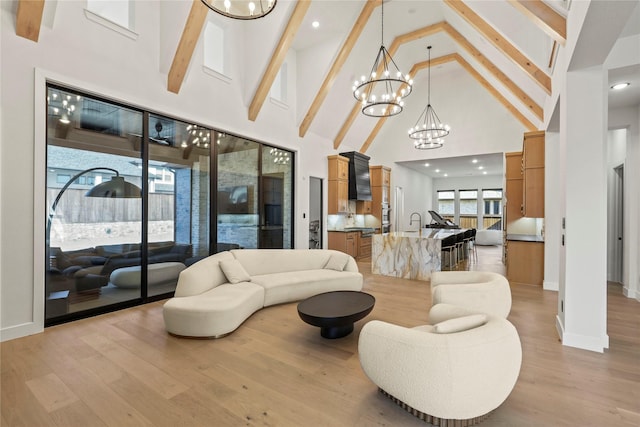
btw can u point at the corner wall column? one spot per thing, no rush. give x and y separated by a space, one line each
582 317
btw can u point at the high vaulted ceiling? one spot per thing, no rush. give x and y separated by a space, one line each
507 46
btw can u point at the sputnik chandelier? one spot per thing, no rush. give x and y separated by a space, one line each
241 9
383 96
429 131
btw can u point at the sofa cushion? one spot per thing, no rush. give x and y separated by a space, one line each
337 261
460 324
234 271
297 285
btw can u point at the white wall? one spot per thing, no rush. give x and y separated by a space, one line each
417 189
553 211
482 126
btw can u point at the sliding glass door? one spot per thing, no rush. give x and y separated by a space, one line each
178 211
135 197
94 204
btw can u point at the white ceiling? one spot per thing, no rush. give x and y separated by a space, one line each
456 167
336 19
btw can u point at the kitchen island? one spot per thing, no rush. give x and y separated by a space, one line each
409 254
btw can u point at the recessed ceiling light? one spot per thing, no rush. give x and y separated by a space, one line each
619 86
484 173
437 170
474 161
426 165
446 174
480 167
315 24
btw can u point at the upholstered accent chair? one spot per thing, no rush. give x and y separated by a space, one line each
451 373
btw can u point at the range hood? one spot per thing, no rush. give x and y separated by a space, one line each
359 180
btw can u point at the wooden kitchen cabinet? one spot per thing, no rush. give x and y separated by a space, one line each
525 262
380 176
338 185
363 207
533 175
514 186
364 248
346 242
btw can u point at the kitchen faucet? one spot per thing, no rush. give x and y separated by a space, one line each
419 219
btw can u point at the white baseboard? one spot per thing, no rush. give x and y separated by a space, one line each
630 293
550 286
597 344
18 331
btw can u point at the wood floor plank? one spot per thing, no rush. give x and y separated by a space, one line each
51 392
156 379
276 370
106 405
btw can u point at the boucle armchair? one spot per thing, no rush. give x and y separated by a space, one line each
479 291
458 370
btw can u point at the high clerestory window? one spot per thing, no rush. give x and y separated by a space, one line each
110 12
278 91
215 52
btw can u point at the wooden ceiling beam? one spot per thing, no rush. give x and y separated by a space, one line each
29 19
186 46
501 43
278 57
329 80
545 17
502 77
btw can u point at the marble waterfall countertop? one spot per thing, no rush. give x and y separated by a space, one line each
409 254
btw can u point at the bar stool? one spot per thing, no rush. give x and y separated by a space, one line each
460 247
448 245
467 243
473 248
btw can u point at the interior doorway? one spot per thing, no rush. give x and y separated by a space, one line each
315 213
617 240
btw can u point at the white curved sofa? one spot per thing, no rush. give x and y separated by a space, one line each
478 291
460 368
217 294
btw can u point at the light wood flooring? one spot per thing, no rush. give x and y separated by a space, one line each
123 369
